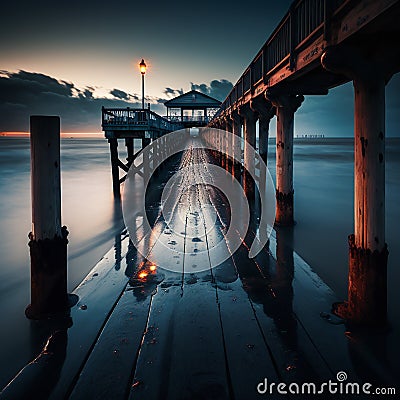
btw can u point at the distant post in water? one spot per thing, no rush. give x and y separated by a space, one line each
48 240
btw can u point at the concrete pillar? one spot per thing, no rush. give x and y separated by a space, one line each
286 106
249 132
48 240
368 253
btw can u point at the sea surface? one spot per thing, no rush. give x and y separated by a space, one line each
323 180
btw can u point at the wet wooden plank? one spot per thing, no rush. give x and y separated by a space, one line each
151 372
248 356
198 329
107 372
182 354
198 357
98 294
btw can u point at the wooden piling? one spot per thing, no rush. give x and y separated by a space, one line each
237 149
48 240
249 133
229 143
130 150
114 167
367 290
286 106
266 113
368 253
146 160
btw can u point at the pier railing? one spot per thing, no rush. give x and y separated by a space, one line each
305 20
188 118
136 119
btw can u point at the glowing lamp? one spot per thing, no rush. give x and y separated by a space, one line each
143 275
142 67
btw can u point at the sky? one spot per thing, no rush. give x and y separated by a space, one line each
71 58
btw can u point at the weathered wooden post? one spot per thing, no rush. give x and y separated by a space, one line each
48 240
146 160
221 144
229 142
114 167
130 150
266 112
237 143
368 253
286 106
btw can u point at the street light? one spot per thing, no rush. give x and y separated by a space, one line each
142 67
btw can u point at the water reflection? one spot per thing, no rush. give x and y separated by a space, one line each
268 282
117 222
40 377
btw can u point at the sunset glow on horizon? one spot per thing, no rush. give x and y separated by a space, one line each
64 135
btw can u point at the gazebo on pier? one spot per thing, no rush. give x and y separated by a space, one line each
192 108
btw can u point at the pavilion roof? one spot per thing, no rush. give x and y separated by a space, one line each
193 99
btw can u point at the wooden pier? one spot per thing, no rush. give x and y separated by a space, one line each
141 331
317 46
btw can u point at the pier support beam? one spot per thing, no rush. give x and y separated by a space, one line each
265 115
249 132
222 144
114 167
286 106
237 143
48 240
228 128
130 150
368 253
146 161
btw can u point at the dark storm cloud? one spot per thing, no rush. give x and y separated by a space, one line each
119 94
26 93
218 89
169 92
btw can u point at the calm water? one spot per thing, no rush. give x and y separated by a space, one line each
323 210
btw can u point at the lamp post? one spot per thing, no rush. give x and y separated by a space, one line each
142 67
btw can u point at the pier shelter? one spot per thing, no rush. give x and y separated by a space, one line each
192 108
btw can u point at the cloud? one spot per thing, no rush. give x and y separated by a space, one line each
25 93
119 94
169 92
218 89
